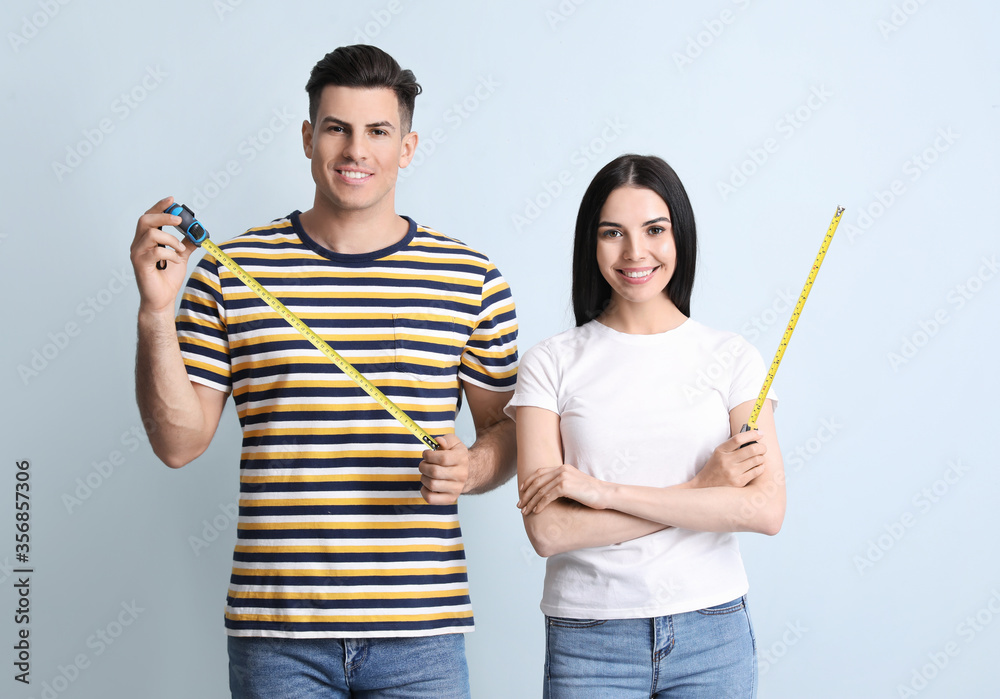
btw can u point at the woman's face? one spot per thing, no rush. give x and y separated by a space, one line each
635 244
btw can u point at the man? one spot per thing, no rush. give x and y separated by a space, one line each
349 572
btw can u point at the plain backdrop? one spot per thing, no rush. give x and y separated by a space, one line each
884 581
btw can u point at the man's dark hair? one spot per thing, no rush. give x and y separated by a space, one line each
362 65
591 293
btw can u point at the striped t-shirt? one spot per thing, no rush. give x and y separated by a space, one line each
334 539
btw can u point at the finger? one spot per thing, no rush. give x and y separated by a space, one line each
750 450
158 220
538 480
439 497
159 206
534 476
755 464
547 500
447 441
538 495
742 438
443 474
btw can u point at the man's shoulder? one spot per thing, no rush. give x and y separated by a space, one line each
279 229
433 242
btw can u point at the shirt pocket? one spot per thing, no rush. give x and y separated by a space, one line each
426 343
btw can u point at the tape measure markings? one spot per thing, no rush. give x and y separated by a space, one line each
759 404
190 228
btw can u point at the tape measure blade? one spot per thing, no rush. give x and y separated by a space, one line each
796 313
318 342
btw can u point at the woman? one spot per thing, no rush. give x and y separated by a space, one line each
633 472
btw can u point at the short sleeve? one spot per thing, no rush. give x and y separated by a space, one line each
748 376
201 328
537 382
490 356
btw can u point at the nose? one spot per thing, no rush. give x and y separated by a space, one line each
354 149
634 248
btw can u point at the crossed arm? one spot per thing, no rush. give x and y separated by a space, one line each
565 509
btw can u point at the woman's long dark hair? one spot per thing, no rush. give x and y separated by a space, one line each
591 293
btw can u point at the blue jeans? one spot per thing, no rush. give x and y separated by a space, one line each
710 653
296 668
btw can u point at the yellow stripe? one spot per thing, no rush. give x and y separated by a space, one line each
360 618
269 227
319 407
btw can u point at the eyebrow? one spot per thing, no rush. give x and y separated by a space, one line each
374 125
611 224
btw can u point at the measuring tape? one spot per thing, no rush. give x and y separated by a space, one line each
196 233
752 421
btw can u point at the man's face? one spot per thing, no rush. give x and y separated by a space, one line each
357 147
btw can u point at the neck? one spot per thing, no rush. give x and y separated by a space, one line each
353 231
651 317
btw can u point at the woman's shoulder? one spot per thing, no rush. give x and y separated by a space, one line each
563 343
714 340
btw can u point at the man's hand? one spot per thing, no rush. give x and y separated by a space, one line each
444 471
158 288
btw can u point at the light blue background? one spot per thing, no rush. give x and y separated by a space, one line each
701 88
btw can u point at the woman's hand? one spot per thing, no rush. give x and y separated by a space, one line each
565 481
730 465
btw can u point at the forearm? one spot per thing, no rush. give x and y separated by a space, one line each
171 411
566 525
757 507
492 458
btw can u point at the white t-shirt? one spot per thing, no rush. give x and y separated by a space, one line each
642 410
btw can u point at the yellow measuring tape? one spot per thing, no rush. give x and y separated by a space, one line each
752 421
193 229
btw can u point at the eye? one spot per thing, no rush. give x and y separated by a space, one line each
610 233
380 132
656 230
335 128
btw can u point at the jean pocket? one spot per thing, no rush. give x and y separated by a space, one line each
565 623
724 608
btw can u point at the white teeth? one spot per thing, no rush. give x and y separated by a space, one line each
637 275
353 174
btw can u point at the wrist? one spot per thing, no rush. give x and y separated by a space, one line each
608 495
150 318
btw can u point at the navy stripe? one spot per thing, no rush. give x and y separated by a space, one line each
371 510
354 462
375 415
333 580
334 487
352 603
346 534
346 627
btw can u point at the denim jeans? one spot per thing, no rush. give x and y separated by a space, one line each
296 668
710 653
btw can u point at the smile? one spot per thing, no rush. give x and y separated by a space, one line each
354 174
637 276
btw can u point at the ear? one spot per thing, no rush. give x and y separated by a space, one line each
408 148
307 139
